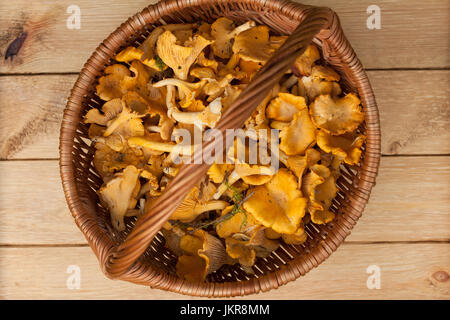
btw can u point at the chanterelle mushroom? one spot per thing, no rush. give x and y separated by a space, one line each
320 186
131 53
250 174
187 91
217 172
119 194
139 81
337 115
157 145
107 161
299 135
174 87
297 238
148 45
253 44
299 164
177 57
108 87
347 147
125 117
246 247
203 73
215 88
278 204
197 202
285 106
303 64
208 117
311 88
203 61
203 254
110 109
241 222
223 30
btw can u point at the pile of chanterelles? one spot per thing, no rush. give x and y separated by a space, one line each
183 77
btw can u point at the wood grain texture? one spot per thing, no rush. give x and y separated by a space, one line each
41 273
414 109
33 209
411 203
39 239
31 110
413 34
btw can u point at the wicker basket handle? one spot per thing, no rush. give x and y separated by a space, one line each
119 261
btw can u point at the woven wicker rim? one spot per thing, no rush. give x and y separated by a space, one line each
123 259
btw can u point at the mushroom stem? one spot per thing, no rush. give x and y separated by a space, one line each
242 28
160 146
191 208
233 62
124 116
185 88
149 44
186 117
215 107
238 174
145 188
211 205
154 129
290 82
223 187
170 100
283 157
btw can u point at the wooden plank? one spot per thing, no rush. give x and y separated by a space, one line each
33 209
414 111
410 203
413 34
31 110
408 271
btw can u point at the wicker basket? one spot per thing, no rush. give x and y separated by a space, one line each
138 254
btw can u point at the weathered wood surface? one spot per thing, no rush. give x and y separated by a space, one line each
405 229
414 109
408 271
31 110
413 34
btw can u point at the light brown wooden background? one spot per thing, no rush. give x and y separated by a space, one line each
405 229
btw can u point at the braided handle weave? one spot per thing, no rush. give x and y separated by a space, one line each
121 258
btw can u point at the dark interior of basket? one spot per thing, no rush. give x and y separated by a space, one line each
157 255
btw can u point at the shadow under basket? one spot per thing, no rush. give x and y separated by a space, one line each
144 259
